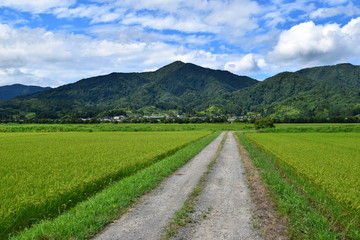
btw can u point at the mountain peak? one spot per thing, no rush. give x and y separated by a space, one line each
173 66
178 62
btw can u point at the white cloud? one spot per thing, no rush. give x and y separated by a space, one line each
135 35
274 18
97 14
247 64
37 6
167 22
229 19
308 43
195 16
348 10
281 12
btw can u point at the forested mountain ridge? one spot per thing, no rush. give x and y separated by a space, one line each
10 91
314 92
186 88
344 74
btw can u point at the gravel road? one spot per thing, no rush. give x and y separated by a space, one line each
224 207
149 218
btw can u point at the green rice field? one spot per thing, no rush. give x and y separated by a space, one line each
43 174
330 160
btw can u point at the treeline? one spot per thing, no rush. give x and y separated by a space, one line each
182 120
185 120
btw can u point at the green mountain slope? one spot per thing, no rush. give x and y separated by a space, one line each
345 74
314 92
11 91
275 89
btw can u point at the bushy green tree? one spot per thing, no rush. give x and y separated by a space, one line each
264 123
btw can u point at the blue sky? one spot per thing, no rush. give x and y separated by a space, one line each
54 42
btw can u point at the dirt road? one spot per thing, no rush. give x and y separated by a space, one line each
148 219
224 208
225 200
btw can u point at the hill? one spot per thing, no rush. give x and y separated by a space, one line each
10 91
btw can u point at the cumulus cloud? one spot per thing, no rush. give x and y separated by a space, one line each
247 64
321 44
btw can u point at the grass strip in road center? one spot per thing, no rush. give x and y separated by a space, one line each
90 216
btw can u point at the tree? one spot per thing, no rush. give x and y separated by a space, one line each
264 123
30 116
212 111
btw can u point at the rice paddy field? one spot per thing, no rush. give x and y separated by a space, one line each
44 174
330 160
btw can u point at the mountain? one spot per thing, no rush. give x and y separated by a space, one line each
11 91
319 92
313 92
182 86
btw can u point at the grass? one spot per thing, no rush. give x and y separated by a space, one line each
44 174
183 215
126 127
90 216
312 214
